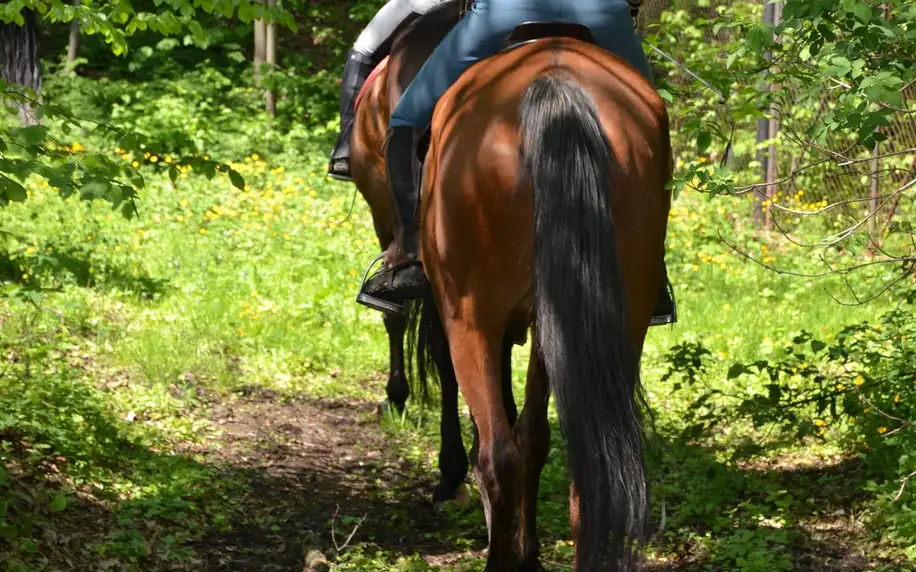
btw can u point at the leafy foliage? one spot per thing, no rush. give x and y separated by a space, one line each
117 334
861 52
857 387
116 21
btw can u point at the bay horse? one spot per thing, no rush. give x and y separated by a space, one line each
410 48
544 206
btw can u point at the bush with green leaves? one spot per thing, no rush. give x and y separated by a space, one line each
856 388
40 150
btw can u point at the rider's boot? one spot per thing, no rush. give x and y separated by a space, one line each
356 71
402 278
665 306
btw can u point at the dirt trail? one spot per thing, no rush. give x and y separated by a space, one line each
304 461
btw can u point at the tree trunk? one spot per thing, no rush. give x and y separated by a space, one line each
764 128
260 47
73 47
772 172
271 60
19 64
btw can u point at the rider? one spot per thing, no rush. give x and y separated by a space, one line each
479 35
370 48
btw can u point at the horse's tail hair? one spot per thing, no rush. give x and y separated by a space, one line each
425 340
580 321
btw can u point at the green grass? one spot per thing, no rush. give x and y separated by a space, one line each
119 336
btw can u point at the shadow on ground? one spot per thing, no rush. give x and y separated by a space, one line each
317 472
289 475
71 264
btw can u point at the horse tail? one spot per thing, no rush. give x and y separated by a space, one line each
580 318
426 339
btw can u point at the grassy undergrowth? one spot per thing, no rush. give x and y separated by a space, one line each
119 336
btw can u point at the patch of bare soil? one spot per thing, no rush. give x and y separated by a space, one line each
316 471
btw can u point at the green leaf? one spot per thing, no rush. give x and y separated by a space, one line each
94 189
758 38
704 140
33 135
237 180
59 503
817 345
666 95
12 190
862 12
735 370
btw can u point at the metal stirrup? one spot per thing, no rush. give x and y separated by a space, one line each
372 301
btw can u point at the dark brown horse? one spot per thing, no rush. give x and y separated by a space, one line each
411 46
544 206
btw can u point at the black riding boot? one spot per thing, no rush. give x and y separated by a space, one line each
356 71
404 280
665 307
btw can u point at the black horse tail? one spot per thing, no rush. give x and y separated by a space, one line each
580 321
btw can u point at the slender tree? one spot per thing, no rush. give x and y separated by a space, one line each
73 47
271 59
260 48
19 63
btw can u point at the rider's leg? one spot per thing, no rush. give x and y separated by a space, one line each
476 36
356 71
372 45
613 30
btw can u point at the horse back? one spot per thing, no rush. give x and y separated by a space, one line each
475 191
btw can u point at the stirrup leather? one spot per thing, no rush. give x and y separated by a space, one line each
668 319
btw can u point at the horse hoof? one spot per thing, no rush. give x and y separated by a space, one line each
445 493
462 495
388 408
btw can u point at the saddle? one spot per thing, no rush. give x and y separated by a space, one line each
528 32
524 34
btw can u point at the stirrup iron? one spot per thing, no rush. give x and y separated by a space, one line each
372 301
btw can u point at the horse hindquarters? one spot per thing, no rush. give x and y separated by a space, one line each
580 313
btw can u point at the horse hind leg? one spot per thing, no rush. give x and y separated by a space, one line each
506 377
498 468
533 434
397 389
453 460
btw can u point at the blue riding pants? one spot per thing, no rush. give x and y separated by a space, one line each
482 31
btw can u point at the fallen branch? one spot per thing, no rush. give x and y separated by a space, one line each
903 483
346 543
